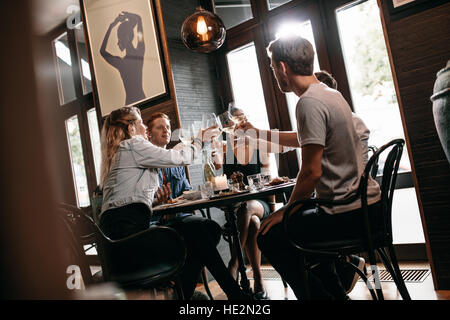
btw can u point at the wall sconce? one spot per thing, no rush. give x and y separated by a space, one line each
203 31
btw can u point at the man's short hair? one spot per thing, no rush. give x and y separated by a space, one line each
295 51
326 78
155 116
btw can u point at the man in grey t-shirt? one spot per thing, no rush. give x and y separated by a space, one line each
324 119
331 165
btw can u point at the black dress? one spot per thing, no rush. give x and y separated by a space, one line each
253 167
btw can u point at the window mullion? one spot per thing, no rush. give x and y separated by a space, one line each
260 9
276 105
87 147
76 73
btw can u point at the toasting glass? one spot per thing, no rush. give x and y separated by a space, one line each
187 133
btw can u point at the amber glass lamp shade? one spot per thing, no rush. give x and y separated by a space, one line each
203 31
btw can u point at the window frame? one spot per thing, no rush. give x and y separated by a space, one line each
258 31
329 50
79 107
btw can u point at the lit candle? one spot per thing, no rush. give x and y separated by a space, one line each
221 182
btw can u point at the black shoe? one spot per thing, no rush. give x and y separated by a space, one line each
261 295
348 275
198 295
241 296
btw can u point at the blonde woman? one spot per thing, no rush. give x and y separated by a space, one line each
129 178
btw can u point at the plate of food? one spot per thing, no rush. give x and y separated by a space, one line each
192 194
277 180
223 194
176 200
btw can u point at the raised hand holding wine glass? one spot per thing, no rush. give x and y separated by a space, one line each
187 133
211 126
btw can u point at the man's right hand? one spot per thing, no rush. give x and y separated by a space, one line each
244 125
247 129
163 194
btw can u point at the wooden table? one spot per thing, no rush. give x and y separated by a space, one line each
228 205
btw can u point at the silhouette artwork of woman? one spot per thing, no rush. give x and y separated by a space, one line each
131 65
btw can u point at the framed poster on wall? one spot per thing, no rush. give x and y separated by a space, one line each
126 53
403 8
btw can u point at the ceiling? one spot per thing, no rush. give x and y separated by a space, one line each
48 14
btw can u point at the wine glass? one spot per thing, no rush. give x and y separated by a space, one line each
187 133
210 120
228 123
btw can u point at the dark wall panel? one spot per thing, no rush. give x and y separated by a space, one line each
196 87
193 73
420 47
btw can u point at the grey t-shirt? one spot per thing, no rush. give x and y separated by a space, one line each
363 133
325 118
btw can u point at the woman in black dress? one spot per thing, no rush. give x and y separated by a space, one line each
243 155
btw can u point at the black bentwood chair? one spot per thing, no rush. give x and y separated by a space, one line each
369 241
144 260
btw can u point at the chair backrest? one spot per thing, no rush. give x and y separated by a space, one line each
374 171
96 200
148 257
388 182
78 231
387 191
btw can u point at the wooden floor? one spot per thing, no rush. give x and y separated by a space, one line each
418 291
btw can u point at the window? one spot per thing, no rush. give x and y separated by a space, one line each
305 30
85 71
362 71
66 86
94 133
233 13
80 119
375 101
77 159
248 91
272 4
369 74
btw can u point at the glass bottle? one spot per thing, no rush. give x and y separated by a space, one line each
208 169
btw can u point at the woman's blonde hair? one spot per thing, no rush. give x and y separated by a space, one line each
114 131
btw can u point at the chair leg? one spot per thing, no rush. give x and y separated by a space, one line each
364 277
305 292
401 285
285 285
179 289
375 274
205 284
388 265
202 212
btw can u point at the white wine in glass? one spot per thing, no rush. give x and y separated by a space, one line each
209 120
187 134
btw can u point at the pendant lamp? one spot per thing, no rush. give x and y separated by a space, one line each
203 31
